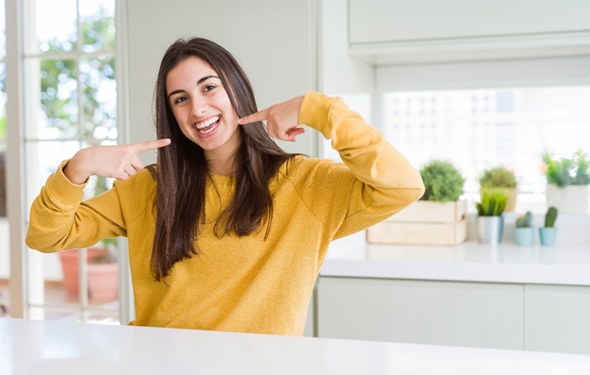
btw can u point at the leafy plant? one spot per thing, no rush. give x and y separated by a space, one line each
3 127
550 217
567 171
525 221
442 181
498 177
493 203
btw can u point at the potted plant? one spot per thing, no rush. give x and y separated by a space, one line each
524 232
442 182
548 233
103 274
438 218
568 181
501 178
490 222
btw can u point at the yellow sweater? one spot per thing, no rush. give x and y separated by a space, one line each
242 284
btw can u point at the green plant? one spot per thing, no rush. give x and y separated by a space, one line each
442 181
3 127
525 221
493 203
567 171
498 177
550 217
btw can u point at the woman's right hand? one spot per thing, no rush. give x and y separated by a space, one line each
119 162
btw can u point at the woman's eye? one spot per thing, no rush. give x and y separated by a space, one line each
180 99
208 88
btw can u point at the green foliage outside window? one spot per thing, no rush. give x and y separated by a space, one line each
59 83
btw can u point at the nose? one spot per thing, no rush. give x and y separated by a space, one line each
199 107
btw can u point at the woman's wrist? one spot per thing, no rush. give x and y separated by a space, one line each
73 172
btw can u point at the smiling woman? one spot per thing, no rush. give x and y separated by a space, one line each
215 228
204 111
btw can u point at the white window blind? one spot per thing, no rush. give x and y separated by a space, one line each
481 128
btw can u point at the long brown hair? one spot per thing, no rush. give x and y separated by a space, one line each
182 170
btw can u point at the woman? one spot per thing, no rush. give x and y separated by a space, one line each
228 232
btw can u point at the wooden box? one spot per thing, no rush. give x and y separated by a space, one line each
423 223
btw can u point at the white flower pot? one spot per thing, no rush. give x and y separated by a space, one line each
572 198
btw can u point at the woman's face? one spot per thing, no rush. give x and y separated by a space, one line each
202 108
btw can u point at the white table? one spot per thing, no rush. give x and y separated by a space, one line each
53 347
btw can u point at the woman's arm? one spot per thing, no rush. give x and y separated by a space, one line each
60 220
376 181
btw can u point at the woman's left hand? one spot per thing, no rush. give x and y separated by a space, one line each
281 119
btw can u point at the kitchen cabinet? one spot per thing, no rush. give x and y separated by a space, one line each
557 318
529 298
385 31
425 312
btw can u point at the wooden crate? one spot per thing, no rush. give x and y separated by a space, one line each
423 223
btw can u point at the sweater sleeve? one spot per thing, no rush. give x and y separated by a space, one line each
60 220
376 180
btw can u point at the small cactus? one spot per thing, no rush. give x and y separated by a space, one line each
525 221
550 217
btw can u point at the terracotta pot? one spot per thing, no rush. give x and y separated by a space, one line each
2 185
103 282
69 265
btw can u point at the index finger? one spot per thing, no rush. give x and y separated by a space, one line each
150 145
254 117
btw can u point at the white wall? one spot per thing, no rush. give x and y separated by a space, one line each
275 42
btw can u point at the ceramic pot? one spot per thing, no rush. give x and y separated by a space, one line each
524 236
490 229
548 236
572 198
69 265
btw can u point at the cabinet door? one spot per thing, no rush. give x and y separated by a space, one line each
378 21
557 318
425 312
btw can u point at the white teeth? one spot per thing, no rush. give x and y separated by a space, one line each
206 123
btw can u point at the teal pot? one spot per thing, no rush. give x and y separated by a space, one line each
524 236
490 229
548 236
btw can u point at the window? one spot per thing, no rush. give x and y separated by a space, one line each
71 101
4 246
482 128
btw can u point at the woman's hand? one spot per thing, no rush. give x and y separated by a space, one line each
281 119
120 162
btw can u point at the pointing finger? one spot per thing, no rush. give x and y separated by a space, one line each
150 145
254 117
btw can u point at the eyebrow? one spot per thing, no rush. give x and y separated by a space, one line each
198 83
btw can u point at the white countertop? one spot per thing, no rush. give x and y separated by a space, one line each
58 348
504 263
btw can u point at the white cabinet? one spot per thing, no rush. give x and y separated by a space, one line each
390 31
535 317
557 318
426 312
395 20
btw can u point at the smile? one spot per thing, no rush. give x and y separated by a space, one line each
208 125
